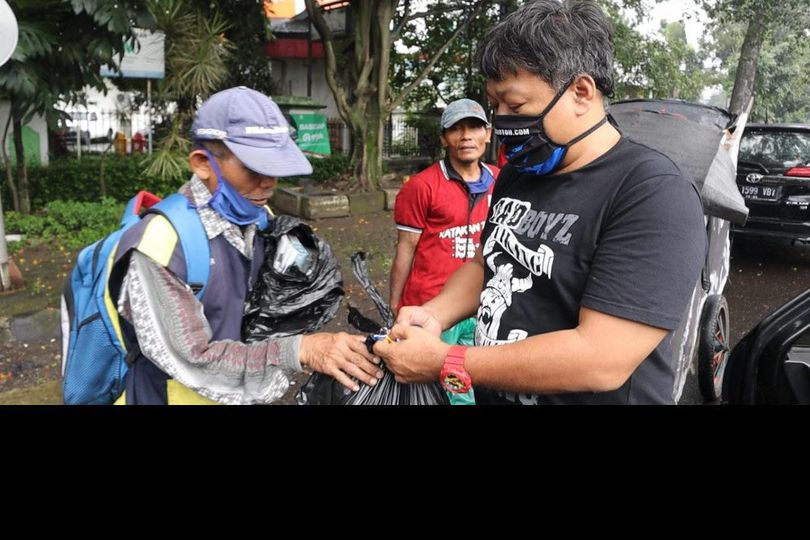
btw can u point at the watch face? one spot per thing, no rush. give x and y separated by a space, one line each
456 382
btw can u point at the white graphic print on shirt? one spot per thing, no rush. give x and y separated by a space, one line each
511 216
463 245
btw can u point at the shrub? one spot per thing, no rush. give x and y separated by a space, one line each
329 168
74 224
69 179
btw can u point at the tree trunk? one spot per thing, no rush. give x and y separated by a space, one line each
379 110
370 166
102 183
12 183
747 67
362 93
22 169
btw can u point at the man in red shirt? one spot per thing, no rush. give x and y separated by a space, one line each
441 211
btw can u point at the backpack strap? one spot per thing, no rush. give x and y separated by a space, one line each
193 239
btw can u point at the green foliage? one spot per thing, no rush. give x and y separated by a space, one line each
15 247
69 223
248 64
662 65
429 128
323 169
783 71
773 37
58 54
404 147
329 168
72 180
456 74
196 49
197 56
29 225
359 68
783 14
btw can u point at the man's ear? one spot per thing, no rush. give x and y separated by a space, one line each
585 93
199 164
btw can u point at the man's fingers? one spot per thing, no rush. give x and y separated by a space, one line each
363 363
356 372
401 331
359 346
383 349
413 317
344 379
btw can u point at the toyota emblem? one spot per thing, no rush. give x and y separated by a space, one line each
754 178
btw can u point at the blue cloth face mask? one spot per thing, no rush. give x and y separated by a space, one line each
231 204
483 183
528 148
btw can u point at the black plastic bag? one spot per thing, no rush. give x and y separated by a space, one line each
360 271
322 389
299 288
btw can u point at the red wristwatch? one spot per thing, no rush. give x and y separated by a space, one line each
453 377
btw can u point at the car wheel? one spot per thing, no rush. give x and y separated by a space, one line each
713 348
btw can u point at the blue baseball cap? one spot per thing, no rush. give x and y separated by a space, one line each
253 127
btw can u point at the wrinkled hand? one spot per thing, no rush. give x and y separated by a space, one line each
417 357
341 356
421 317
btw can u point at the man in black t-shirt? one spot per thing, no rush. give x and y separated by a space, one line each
592 247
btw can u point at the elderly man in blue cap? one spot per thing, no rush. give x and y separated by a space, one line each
189 351
440 214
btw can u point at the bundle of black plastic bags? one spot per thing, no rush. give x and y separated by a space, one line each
324 390
299 290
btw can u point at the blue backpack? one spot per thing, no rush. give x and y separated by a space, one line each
94 355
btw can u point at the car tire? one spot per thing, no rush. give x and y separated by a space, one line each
713 347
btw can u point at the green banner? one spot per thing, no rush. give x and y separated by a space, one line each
313 134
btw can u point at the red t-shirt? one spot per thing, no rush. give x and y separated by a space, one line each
438 207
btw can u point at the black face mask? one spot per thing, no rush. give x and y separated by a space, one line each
528 148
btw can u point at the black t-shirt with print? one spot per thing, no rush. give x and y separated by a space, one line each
624 235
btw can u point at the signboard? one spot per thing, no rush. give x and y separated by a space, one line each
313 134
141 62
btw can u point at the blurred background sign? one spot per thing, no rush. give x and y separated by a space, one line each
313 133
144 61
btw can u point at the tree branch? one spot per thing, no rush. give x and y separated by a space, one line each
432 11
384 15
399 99
339 93
403 21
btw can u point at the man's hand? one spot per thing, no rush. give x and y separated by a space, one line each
421 317
417 357
342 356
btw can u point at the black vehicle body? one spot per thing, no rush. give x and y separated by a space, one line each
771 365
773 175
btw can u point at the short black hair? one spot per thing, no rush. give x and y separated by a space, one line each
556 40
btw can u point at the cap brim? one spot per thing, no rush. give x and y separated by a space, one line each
284 160
453 121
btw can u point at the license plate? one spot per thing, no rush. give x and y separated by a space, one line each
760 193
